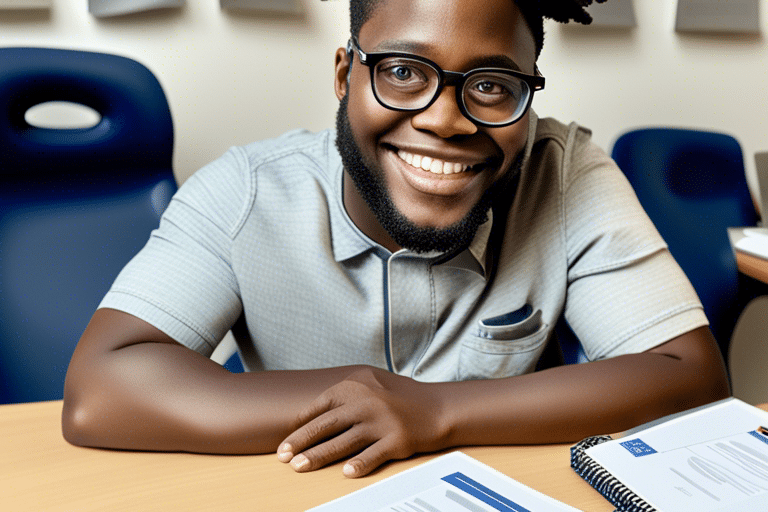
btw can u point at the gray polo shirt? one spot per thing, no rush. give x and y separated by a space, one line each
259 242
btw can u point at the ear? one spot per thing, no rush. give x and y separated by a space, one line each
341 77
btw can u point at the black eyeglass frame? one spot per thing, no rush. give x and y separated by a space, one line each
447 78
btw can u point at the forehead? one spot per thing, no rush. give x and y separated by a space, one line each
451 32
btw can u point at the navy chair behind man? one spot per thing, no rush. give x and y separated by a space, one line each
693 186
75 204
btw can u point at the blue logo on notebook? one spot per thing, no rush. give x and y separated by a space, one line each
637 447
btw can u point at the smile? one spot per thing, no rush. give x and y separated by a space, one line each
433 165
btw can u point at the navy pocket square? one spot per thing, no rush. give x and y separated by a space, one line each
514 317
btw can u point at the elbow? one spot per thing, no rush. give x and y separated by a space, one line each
83 416
712 382
77 422
72 429
695 369
718 388
706 383
707 391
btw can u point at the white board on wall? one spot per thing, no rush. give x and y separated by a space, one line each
25 4
105 8
718 16
287 6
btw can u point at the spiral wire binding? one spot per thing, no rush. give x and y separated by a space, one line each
604 482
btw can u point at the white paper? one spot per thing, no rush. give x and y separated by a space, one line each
755 243
450 483
710 460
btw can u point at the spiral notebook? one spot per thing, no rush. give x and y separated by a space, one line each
713 458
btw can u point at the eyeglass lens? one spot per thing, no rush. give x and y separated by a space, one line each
489 97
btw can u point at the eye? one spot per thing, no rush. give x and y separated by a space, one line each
491 88
403 74
494 90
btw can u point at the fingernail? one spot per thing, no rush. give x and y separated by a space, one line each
285 453
299 461
349 469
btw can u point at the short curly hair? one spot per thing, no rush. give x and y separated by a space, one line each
534 12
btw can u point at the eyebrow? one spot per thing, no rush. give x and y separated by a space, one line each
485 61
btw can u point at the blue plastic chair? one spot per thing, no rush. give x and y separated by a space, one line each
692 185
75 204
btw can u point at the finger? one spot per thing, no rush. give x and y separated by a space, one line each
373 457
317 430
320 405
345 444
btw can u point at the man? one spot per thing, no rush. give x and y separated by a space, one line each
394 296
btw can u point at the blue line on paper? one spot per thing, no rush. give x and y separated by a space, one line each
484 494
759 436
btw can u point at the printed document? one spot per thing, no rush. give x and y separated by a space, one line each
450 483
713 459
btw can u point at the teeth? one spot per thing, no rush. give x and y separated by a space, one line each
433 165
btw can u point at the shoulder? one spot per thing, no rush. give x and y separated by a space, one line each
568 151
226 188
293 145
241 161
550 130
572 138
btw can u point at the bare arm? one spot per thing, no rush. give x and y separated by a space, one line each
562 404
131 386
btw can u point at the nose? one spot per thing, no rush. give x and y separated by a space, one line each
443 117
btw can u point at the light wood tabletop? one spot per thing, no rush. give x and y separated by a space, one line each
40 471
752 266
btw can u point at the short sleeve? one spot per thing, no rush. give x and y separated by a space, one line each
182 281
626 293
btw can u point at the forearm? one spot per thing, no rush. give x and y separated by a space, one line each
374 416
162 396
571 402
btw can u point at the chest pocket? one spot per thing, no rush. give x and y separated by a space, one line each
503 346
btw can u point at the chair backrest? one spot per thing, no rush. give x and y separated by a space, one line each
692 185
75 204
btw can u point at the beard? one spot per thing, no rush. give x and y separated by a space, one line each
369 181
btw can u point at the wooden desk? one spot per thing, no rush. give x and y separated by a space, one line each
752 266
40 471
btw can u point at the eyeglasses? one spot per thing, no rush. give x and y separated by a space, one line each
488 96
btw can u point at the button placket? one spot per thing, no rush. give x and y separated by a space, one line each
411 310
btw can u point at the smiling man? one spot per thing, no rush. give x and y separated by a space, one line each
393 284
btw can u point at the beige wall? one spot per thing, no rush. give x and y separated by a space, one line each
236 77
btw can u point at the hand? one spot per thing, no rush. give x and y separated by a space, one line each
373 413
